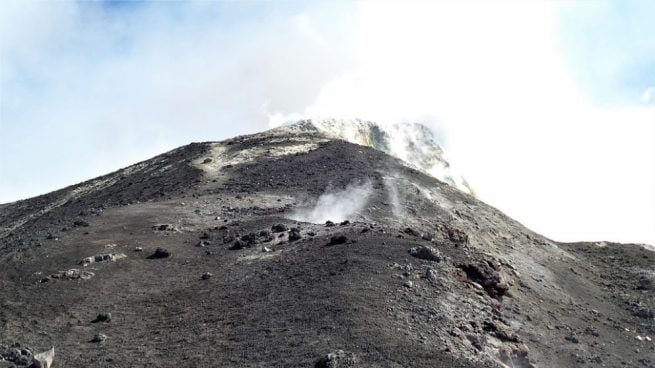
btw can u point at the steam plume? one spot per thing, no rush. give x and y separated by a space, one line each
337 206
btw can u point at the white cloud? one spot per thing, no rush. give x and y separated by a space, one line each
87 88
649 95
85 91
492 75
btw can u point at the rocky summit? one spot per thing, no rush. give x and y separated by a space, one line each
297 248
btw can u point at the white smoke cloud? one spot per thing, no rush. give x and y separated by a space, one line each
521 128
649 95
336 206
394 199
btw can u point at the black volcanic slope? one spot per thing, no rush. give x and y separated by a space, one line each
421 275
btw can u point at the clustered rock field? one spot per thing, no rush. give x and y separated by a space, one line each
205 257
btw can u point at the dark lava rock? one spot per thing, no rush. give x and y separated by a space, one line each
207 160
15 355
431 274
160 253
476 340
643 311
503 333
516 356
249 239
457 236
278 228
426 252
80 223
102 317
238 244
572 338
265 236
488 277
338 239
329 223
646 283
344 223
294 234
412 232
337 359
206 276
99 338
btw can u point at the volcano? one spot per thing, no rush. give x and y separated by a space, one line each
296 247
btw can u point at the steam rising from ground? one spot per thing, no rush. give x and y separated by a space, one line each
394 199
337 205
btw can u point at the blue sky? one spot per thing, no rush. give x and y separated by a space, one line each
610 48
546 107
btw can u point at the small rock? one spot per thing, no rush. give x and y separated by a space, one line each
329 223
457 236
337 359
44 359
102 317
344 223
639 338
431 274
249 239
207 160
266 250
294 234
278 228
408 284
80 223
206 276
410 231
22 360
338 239
425 252
644 312
238 244
112 257
99 338
138 249
72 274
489 278
160 253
